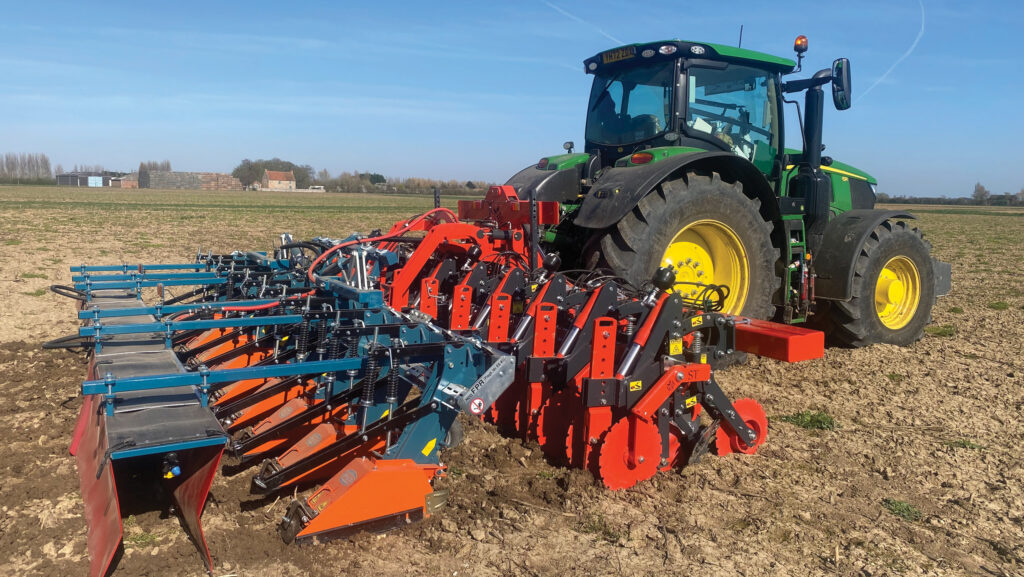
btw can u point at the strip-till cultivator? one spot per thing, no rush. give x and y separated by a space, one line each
337 368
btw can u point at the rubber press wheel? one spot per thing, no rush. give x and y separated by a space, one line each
710 231
893 290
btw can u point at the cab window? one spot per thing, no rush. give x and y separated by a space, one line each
736 105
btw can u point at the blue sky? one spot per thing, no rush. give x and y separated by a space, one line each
477 90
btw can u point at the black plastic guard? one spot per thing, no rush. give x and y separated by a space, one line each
557 185
620 188
842 242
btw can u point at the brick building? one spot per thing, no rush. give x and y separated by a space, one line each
277 180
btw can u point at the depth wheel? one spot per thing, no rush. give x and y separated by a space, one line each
710 231
893 290
621 467
754 417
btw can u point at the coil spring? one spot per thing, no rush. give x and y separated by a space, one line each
372 372
392 391
334 348
353 345
302 340
630 327
698 343
321 338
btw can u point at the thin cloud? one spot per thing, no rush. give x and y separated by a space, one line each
920 34
576 18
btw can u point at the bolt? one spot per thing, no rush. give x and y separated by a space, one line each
664 412
751 435
678 412
640 460
547 318
605 334
451 365
664 462
679 375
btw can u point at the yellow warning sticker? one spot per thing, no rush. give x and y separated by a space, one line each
675 346
429 447
703 358
690 402
697 321
635 386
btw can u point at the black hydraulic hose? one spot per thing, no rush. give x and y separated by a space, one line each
311 246
70 292
68 342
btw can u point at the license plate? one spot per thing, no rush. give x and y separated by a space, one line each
618 54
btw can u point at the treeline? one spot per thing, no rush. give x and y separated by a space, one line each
981 196
155 166
25 168
377 183
250 171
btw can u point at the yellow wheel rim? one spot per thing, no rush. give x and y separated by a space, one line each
709 252
897 292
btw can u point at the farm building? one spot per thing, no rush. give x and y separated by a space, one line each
129 181
278 180
169 180
90 179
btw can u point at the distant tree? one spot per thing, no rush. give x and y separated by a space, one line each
247 172
882 197
324 176
58 169
981 194
1020 196
250 171
25 168
377 178
470 185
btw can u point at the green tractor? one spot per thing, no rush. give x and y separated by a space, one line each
685 166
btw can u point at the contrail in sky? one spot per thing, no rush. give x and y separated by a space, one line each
584 22
920 34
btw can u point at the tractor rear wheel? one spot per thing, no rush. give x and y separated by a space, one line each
893 290
710 231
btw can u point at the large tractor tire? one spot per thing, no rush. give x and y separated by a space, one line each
710 231
893 290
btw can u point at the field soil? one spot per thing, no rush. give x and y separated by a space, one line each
922 474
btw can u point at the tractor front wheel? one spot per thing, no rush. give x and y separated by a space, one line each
893 290
710 231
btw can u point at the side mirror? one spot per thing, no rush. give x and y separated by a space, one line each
841 83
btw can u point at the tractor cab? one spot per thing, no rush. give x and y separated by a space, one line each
685 94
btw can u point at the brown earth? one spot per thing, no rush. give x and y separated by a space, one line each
937 425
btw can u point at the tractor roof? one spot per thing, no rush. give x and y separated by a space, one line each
686 49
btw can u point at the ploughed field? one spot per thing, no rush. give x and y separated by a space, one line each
881 461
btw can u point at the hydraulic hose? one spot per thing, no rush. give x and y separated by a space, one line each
316 262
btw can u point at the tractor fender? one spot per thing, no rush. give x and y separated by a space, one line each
620 188
557 185
841 244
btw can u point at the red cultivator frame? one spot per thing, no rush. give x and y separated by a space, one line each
337 368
